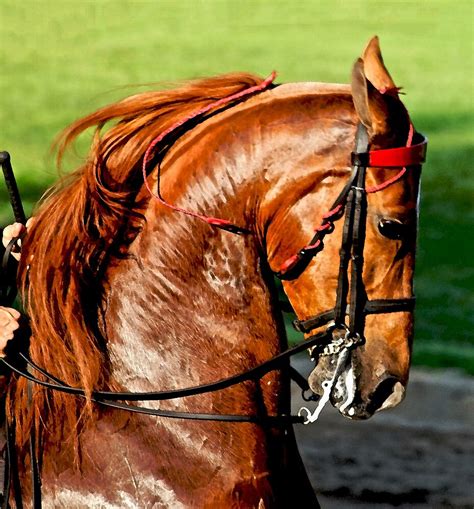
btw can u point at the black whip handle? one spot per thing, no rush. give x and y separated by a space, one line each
12 188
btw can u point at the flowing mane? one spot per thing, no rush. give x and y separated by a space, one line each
83 223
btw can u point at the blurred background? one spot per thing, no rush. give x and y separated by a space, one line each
60 60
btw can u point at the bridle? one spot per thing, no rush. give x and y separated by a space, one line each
338 337
351 299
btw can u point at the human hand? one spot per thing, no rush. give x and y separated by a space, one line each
9 323
15 230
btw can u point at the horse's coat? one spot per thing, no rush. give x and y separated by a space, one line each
124 293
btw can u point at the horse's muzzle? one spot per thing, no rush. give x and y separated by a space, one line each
347 398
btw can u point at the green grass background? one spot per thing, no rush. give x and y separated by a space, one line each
61 59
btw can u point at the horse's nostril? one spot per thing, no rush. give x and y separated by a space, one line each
397 396
383 393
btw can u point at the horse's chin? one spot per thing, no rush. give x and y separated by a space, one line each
346 395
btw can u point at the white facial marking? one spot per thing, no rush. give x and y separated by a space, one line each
350 389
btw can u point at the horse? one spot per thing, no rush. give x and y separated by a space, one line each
151 268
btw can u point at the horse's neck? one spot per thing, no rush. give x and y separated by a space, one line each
191 304
193 300
184 310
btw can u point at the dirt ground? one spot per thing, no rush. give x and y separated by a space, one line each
419 455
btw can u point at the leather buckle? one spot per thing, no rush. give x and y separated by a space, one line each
298 326
360 159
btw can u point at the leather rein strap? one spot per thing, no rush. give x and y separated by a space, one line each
110 399
352 198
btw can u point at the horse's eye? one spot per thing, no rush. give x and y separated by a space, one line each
392 229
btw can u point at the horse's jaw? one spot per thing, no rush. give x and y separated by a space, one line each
346 395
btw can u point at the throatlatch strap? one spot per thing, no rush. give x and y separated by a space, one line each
294 266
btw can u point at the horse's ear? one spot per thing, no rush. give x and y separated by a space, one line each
373 90
374 67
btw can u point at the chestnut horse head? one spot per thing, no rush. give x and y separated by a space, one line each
376 373
125 293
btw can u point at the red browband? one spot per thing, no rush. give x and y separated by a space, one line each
393 157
